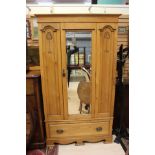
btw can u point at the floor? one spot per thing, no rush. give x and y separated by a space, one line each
73 100
87 149
91 149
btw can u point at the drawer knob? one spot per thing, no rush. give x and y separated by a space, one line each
99 129
59 131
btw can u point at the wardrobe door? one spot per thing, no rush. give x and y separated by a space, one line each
51 72
78 42
105 69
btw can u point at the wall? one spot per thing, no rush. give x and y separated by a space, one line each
124 39
70 8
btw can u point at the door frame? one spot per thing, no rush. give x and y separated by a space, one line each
91 27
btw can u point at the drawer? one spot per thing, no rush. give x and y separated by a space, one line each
80 129
29 87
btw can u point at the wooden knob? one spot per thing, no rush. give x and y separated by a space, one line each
99 129
59 131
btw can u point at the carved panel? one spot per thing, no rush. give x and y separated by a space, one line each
107 27
49 31
105 69
107 35
48 36
51 68
49 42
47 27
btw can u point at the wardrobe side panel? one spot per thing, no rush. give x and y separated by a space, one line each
51 72
105 69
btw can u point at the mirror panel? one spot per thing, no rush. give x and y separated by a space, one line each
78 53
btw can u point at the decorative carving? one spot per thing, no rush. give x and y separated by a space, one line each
107 35
48 36
48 27
106 139
108 27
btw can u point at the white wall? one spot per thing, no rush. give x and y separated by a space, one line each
80 8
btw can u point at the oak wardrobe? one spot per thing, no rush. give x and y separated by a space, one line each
78 71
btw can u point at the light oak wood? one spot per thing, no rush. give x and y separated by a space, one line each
108 140
106 47
90 27
82 119
64 67
80 129
62 127
50 58
66 140
77 18
78 26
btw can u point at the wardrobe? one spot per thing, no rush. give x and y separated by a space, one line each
73 47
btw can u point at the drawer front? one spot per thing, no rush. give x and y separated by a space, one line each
29 87
81 129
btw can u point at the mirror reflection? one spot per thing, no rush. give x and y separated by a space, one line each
78 50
